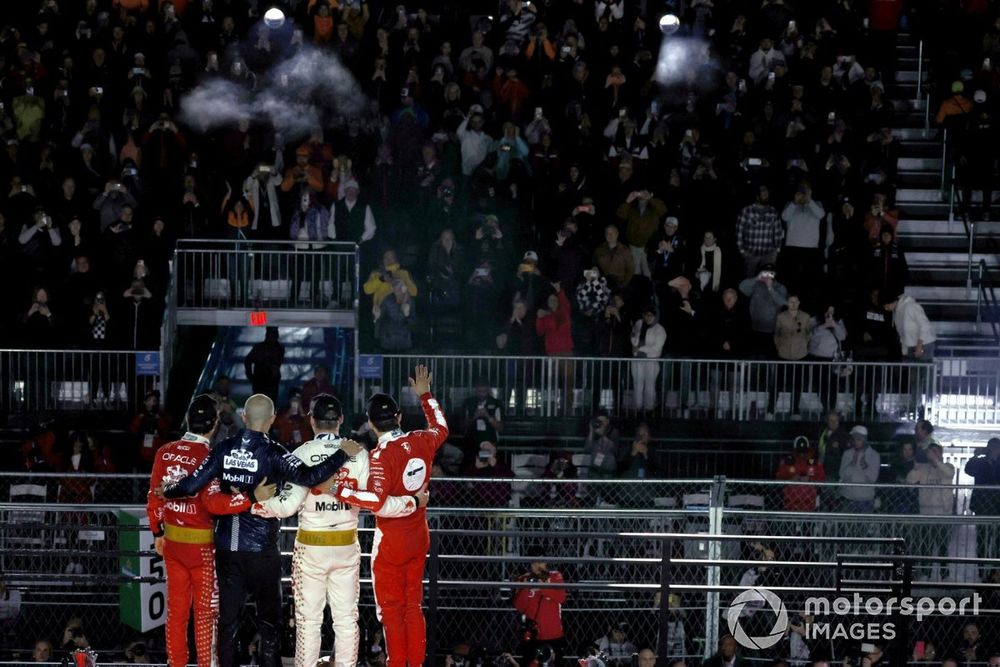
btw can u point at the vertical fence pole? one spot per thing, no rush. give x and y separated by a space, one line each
716 502
433 575
663 645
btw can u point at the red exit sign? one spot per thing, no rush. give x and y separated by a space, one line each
258 318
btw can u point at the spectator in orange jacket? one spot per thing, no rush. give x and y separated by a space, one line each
801 466
956 105
303 173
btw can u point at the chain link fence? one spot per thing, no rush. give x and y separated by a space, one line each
66 560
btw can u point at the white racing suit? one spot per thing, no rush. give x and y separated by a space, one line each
327 557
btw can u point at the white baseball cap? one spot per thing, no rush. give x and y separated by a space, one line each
860 430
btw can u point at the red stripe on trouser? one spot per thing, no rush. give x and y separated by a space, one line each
191 582
397 573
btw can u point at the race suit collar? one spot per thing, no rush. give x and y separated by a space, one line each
326 436
194 437
391 435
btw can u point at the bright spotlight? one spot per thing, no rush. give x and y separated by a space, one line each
669 24
275 18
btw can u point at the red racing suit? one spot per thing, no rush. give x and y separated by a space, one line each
188 549
400 465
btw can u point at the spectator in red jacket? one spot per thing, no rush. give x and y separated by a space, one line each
318 384
151 425
554 327
292 426
801 466
553 324
541 610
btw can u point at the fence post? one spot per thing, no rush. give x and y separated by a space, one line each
716 502
663 645
433 573
354 302
903 573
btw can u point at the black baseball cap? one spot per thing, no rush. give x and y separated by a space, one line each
382 407
202 413
326 408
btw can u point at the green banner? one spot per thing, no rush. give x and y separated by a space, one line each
142 605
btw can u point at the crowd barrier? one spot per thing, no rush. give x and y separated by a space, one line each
604 535
732 390
950 392
266 274
35 381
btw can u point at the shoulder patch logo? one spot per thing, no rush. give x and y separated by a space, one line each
414 474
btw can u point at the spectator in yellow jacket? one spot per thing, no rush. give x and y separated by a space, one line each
379 283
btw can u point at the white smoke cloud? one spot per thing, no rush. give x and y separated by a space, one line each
683 60
295 96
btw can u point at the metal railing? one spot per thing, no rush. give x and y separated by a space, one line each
986 299
736 390
279 275
647 562
168 334
33 381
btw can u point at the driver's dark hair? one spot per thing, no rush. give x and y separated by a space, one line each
387 425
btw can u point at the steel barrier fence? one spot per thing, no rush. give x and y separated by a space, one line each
273 274
969 391
33 381
65 561
734 390
168 335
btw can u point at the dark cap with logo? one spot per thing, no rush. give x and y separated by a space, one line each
326 408
382 407
202 413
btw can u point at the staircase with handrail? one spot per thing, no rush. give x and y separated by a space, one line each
942 246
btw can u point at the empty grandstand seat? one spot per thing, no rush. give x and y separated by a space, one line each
17 536
529 466
582 463
526 466
306 286
745 501
71 393
696 500
271 290
216 289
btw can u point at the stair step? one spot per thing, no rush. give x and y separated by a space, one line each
921 164
907 134
951 259
925 210
902 90
932 195
918 179
914 120
911 104
963 328
903 76
942 228
919 148
942 295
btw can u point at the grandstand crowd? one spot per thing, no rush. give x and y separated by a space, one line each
527 180
523 178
